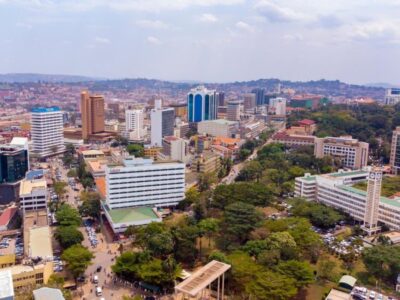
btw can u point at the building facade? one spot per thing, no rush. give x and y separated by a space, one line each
13 163
202 105
395 151
392 96
33 195
249 101
352 153
175 148
162 123
218 127
134 123
142 182
92 112
260 96
233 110
277 106
47 131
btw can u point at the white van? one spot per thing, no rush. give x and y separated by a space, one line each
99 291
95 279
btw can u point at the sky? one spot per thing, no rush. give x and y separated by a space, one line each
356 41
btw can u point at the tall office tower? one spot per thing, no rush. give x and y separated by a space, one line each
202 105
372 201
392 96
142 182
92 110
278 105
249 101
162 123
134 123
352 153
395 151
220 98
259 96
47 131
233 110
113 109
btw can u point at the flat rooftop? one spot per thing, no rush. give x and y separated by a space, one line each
132 214
349 173
384 200
40 242
6 285
27 186
92 152
220 121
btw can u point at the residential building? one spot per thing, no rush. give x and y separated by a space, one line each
142 182
218 127
277 106
33 195
251 129
6 285
162 123
202 104
113 110
181 129
47 131
392 96
175 149
395 151
336 190
304 127
207 162
92 112
352 153
259 94
233 110
201 143
134 123
249 101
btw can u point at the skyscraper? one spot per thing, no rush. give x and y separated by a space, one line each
134 123
372 201
47 131
202 104
395 151
259 96
221 98
233 110
277 105
249 101
92 110
162 123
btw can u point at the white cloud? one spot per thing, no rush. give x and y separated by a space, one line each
153 40
208 18
292 37
152 24
244 26
383 31
102 40
276 13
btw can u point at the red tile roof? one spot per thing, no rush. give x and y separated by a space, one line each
7 215
306 122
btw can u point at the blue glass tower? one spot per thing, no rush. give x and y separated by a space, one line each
202 105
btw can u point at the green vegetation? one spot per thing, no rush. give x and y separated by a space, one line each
90 204
66 215
84 176
59 188
77 258
135 149
68 157
68 236
390 185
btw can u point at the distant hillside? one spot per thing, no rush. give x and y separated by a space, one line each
32 77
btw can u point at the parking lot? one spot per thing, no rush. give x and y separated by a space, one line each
362 293
12 245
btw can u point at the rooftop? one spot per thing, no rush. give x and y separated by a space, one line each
27 186
46 293
92 152
40 242
338 295
30 175
6 285
7 215
349 173
132 214
45 109
220 121
306 122
384 200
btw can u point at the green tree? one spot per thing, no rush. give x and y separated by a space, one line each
68 216
77 258
72 173
156 238
59 188
68 236
326 269
219 256
284 242
184 237
90 204
208 227
300 271
192 195
206 180
135 149
251 171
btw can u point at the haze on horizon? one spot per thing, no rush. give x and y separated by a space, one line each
203 40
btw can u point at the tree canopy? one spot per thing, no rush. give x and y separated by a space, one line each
77 258
66 215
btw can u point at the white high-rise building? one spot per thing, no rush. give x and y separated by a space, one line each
47 131
142 182
278 105
392 96
162 123
134 123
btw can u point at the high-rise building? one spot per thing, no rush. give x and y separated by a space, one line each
113 110
47 131
142 182
392 96
162 123
249 101
395 151
352 153
180 110
92 111
259 96
202 104
233 110
134 123
175 148
278 106
221 98
372 201
13 163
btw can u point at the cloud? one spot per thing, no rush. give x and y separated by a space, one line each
152 24
153 40
276 13
329 21
292 37
208 18
244 26
381 31
102 40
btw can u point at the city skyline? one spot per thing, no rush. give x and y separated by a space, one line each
203 40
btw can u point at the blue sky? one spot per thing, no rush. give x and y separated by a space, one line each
357 41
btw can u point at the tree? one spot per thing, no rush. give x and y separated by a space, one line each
206 180
68 216
135 149
77 258
192 196
68 236
59 188
284 242
208 227
239 220
326 269
155 238
300 271
184 237
251 171
72 173
219 256
91 204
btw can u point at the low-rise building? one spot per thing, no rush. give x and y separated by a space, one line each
218 127
175 149
26 277
6 285
46 293
152 152
9 218
33 194
293 140
207 162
